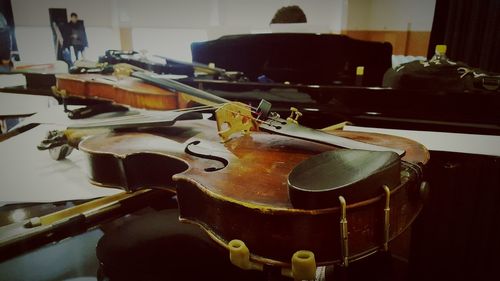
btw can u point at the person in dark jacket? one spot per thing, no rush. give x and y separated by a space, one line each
77 36
6 43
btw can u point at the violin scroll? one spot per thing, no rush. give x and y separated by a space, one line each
60 144
57 145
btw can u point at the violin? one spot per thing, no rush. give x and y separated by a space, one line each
122 90
164 65
238 189
268 189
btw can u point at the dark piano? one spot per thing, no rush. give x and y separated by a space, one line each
317 74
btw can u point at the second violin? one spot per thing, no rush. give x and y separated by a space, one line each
123 90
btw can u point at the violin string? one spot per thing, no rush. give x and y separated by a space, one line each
198 107
218 106
244 107
252 109
251 117
144 114
145 117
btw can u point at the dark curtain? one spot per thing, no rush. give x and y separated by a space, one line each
470 29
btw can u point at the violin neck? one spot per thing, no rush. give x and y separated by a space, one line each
272 125
202 97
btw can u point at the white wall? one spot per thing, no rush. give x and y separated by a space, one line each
390 14
397 14
164 27
167 27
358 14
172 43
203 14
34 35
154 26
164 14
35 44
36 12
101 39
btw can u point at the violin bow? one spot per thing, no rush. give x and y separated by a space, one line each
231 117
237 117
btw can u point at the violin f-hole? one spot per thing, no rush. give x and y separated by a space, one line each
223 161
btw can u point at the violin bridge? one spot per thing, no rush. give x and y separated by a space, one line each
294 116
234 117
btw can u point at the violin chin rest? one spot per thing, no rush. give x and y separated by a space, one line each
357 175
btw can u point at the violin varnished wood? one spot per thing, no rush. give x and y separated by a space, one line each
126 90
248 199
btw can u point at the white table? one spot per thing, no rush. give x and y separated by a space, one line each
30 175
440 141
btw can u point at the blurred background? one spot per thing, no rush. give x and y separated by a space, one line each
169 27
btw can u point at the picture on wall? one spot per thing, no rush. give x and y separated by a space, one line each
8 44
69 36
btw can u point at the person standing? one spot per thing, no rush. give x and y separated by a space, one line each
77 36
6 44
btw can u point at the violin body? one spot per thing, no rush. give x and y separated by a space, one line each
238 189
124 90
